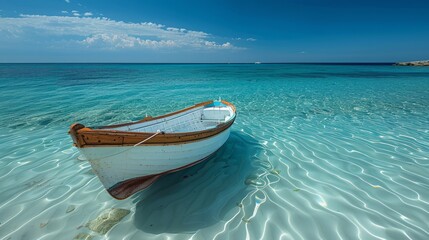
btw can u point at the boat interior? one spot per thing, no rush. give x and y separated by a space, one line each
195 119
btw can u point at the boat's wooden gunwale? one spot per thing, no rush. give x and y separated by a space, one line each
87 137
109 139
148 119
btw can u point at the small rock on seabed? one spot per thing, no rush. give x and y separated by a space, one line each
83 236
70 208
107 219
414 63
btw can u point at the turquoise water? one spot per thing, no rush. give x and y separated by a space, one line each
317 152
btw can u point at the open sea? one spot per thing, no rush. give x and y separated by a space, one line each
318 151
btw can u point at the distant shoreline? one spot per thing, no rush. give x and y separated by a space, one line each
414 63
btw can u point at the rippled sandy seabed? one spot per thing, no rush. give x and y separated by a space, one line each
317 152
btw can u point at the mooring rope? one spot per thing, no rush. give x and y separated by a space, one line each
135 145
157 132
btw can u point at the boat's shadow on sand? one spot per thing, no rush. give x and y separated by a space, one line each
201 196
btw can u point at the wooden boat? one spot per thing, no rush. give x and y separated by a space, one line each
129 157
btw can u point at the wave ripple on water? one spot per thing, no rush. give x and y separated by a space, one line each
317 152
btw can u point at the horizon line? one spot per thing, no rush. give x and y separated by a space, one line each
254 63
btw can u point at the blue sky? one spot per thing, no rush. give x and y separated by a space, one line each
213 31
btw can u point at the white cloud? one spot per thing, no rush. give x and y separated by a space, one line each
211 44
125 41
104 32
65 12
87 14
245 39
67 1
227 45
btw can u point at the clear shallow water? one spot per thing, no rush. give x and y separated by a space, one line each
317 151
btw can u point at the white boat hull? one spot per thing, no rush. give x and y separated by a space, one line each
129 157
128 169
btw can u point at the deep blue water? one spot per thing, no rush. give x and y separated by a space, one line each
317 151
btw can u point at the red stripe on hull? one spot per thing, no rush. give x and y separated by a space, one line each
124 189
